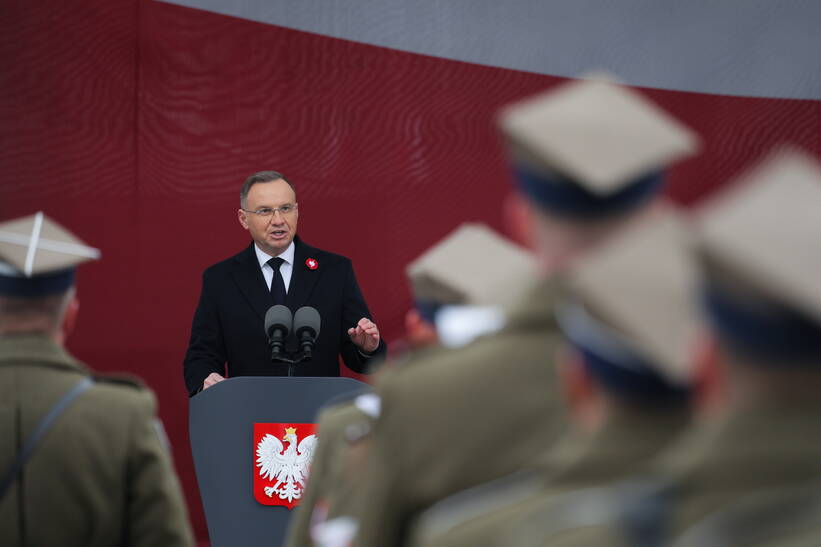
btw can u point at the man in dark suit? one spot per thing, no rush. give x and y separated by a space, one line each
277 268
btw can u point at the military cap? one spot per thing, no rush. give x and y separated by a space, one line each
592 146
464 283
760 239
39 257
473 265
631 306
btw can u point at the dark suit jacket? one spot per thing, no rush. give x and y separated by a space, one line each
228 327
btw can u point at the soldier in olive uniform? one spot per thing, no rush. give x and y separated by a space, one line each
82 460
629 314
451 281
762 257
750 477
588 159
334 471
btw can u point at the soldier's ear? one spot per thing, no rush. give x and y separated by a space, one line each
69 317
579 389
710 374
419 332
518 219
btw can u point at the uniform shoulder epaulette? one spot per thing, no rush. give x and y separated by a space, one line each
343 399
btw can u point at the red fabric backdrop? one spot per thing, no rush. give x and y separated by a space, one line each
135 122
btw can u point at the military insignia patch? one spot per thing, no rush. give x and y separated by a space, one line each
282 460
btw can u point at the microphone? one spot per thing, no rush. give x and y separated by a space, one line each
306 328
278 322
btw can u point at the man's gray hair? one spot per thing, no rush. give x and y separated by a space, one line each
261 176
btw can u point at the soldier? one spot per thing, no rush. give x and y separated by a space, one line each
750 477
82 460
588 158
450 282
629 315
760 243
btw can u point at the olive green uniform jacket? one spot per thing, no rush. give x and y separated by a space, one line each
101 475
495 515
334 477
724 479
764 447
460 418
340 462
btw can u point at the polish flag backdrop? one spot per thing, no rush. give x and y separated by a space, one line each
134 123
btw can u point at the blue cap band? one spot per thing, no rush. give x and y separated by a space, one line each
634 380
779 333
612 361
39 285
563 195
427 309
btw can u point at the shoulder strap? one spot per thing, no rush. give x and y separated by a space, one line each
42 428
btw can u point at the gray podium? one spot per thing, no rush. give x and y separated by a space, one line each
221 430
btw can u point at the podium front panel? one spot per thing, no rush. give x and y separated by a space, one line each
221 431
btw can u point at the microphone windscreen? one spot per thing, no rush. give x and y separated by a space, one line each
307 317
278 316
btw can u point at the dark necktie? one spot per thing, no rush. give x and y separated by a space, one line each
277 283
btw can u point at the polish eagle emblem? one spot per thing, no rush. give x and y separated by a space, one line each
282 471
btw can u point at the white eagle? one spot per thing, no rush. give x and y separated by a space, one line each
288 467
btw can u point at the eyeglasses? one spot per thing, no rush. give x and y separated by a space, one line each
266 212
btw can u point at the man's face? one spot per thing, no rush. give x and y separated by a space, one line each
272 233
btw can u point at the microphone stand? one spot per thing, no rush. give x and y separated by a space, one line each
290 359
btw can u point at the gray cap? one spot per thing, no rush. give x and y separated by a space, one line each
764 230
473 265
38 256
760 240
595 134
634 299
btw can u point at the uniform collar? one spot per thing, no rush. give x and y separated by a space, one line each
37 349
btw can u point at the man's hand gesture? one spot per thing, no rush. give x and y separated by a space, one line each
365 335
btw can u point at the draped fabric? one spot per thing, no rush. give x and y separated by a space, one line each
134 123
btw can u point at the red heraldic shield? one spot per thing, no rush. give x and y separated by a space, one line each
282 462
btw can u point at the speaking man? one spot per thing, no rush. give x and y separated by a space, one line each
277 268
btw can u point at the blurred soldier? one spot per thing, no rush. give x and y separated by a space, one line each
82 460
588 158
751 477
457 294
629 315
761 243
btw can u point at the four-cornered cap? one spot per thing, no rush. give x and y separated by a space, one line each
474 266
38 256
764 230
636 296
595 133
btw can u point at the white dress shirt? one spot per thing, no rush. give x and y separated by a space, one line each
285 270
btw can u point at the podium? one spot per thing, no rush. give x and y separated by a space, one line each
221 430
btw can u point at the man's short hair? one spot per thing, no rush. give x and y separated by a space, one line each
46 312
261 176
